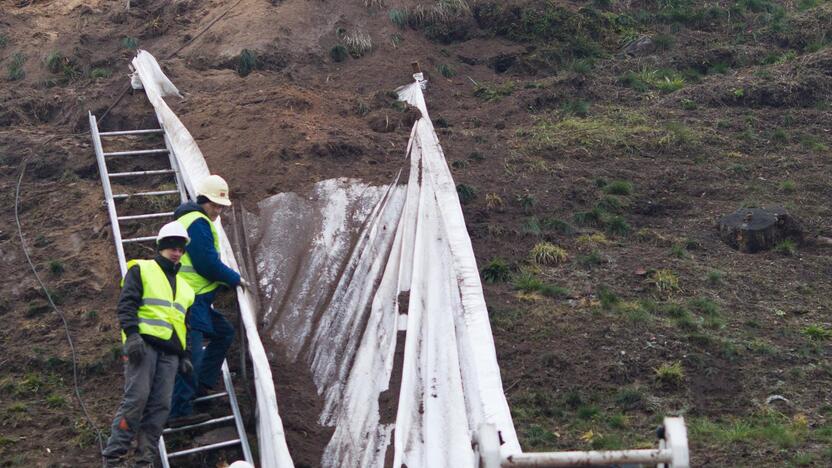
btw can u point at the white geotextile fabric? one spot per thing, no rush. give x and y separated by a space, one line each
272 442
332 266
450 368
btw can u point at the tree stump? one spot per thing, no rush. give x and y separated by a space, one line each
752 230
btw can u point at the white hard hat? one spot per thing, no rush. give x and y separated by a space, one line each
214 188
240 464
173 229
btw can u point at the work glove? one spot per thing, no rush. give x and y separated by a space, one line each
134 348
186 367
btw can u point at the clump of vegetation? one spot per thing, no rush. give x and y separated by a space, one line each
817 332
357 43
338 53
545 253
15 67
129 43
466 193
398 17
246 62
786 247
665 281
56 267
577 107
494 201
645 79
529 283
494 92
445 70
496 271
100 73
670 374
4 41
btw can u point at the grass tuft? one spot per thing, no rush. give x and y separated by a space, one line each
545 253
496 271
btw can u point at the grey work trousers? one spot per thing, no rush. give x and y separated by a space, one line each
144 409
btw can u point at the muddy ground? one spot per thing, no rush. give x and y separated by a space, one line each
618 131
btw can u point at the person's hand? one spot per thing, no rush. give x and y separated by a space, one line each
134 348
186 367
245 284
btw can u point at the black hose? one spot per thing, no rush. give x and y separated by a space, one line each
55 308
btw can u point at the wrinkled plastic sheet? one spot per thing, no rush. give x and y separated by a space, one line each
272 442
333 265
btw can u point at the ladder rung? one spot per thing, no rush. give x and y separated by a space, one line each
145 194
138 173
128 153
203 423
132 132
138 239
204 448
145 216
209 397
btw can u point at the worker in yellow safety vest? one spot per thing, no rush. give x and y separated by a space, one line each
205 272
152 312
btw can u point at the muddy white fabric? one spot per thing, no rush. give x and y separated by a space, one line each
335 267
274 452
332 265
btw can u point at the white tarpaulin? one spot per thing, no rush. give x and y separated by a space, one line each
347 272
334 264
272 442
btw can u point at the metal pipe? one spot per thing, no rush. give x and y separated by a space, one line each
120 196
204 448
138 173
132 132
145 216
194 426
555 459
136 152
209 397
235 409
138 239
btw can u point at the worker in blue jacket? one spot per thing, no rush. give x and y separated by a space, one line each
205 273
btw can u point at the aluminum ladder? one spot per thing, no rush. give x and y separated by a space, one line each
115 220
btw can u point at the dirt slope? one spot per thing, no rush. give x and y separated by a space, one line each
618 131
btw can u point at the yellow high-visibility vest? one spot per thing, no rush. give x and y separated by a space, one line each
160 313
198 283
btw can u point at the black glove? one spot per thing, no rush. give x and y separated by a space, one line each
185 366
134 348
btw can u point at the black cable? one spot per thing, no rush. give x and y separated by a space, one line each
55 308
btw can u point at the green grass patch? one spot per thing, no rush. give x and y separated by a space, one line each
492 92
786 247
773 429
619 187
496 271
14 69
621 129
527 282
817 333
546 253
129 43
670 374
664 80
466 193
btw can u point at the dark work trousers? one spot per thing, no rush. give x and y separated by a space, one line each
207 362
144 408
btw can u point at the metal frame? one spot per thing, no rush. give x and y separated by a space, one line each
181 189
108 192
672 451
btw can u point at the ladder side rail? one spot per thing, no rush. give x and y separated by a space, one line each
163 452
235 409
108 193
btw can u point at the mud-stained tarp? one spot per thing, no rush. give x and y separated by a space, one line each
331 266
